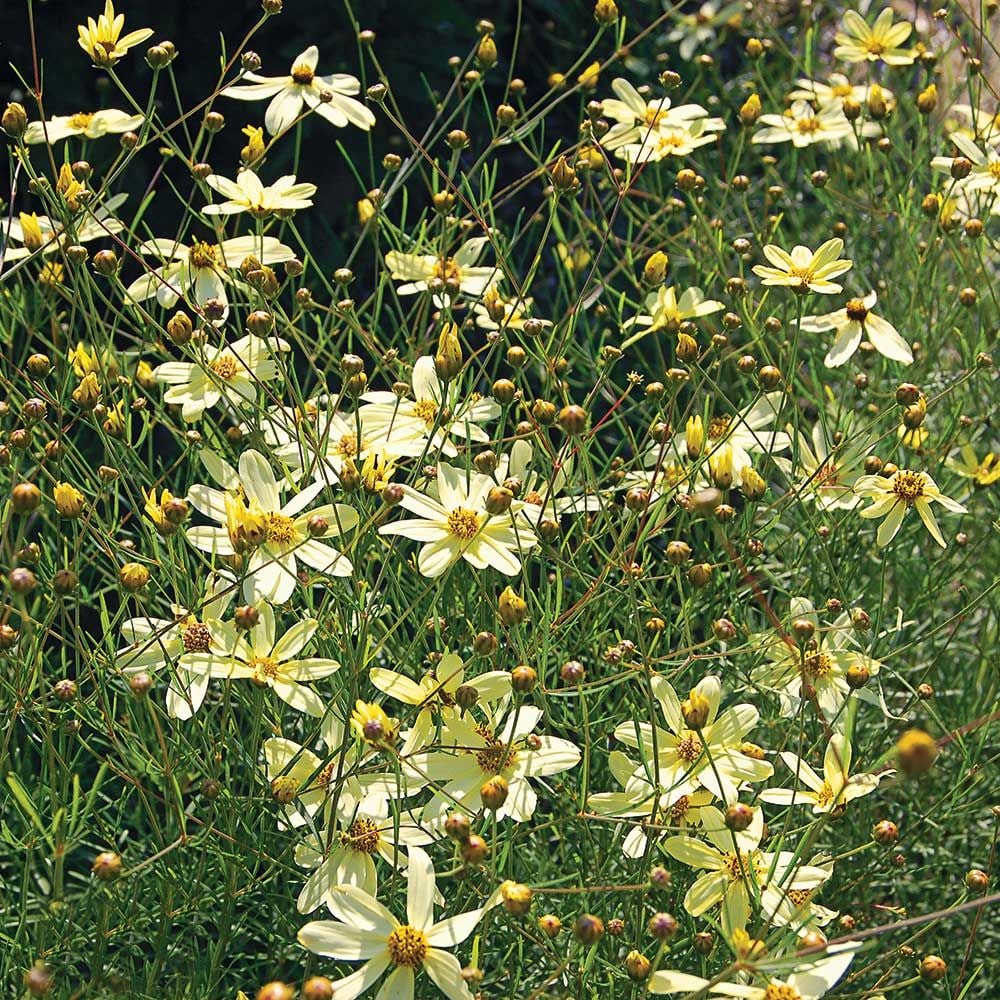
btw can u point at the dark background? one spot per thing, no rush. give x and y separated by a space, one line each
414 42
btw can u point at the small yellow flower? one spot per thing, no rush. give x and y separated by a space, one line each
70 188
588 78
255 147
805 270
32 238
984 473
68 500
102 39
860 43
892 497
88 393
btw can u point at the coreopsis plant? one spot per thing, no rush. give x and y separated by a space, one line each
102 39
42 234
805 270
447 275
802 126
892 496
87 125
853 322
248 194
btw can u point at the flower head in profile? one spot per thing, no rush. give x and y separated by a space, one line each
666 311
438 412
805 270
967 464
154 643
852 322
984 177
494 312
269 660
202 269
103 40
457 525
827 472
331 97
836 90
251 517
735 868
233 372
445 276
802 125
248 194
892 497
92 125
41 234
861 42
834 790
680 759
364 930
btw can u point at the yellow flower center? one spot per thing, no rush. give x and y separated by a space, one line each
425 410
804 274
225 367
347 446
781 991
447 270
799 897
842 90
994 169
362 836
534 497
463 523
818 665
80 121
856 310
407 946
741 866
280 528
672 140
689 749
717 427
196 638
679 809
827 475
654 116
496 755
908 486
808 125
265 668
51 273
823 798
203 254
874 46
302 75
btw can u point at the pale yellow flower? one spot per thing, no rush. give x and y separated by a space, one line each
859 42
103 40
803 269
893 497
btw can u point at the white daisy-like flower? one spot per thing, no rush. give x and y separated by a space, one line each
736 868
797 908
665 311
637 120
851 323
438 411
665 142
799 977
892 497
248 194
984 177
544 497
456 525
802 125
831 792
154 643
250 516
680 759
202 269
39 233
506 748
803 269
861 42
261 656
331 97
233 372
836 90
698 30
89 125
457 274
366 931
827 472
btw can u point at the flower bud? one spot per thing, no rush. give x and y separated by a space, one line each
572 672
68 500
485 643
738 817
916 751
516 897
458 827
550 925
656 267
107 866
678 553
14 120
25 497
563 176
750 110
448 360
105 262
588 929
133 576
885 832
474 850
39 979
494 792
513 608
752 484
486 53
933 968
523 678
696 709
927 99
317 988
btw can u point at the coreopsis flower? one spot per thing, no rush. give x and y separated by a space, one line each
851 323
661 811
39 233
366 931
505 748
681 759
515 312
90 125
457 525
345 855
698 30
827 472
984 473
155 643
836 90
797 908
456 274
859 42
250 515
821 668
544 498
809 979
234 372
438 411
736 868
331 97
802 125
103 40
248 194
665 311
834 790
977 123
262 656
747 433
663 142
892 497
433 697
803 269
984 177
202 269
